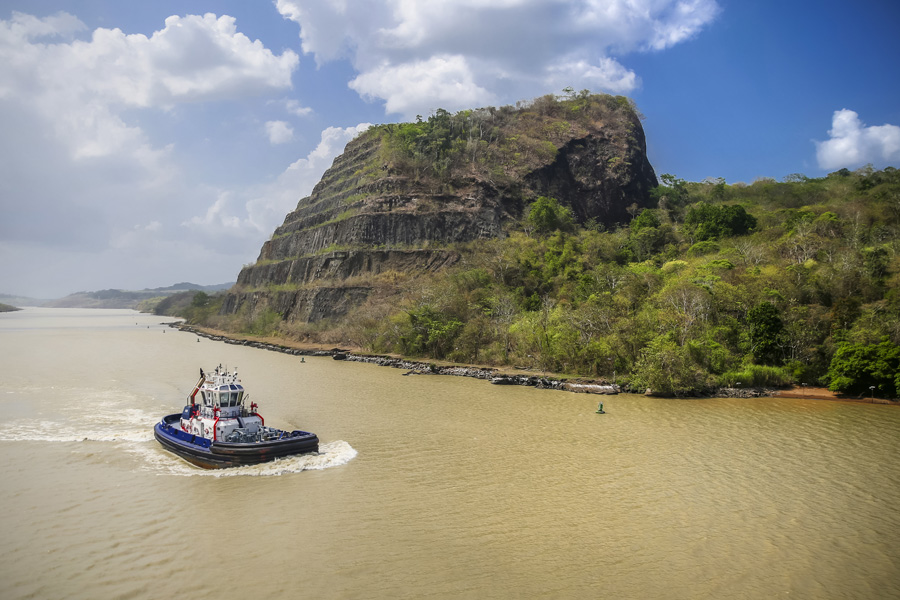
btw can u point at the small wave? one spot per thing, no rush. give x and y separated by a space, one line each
331 454
51 431
90 416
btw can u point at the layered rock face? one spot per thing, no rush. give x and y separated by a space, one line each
374 211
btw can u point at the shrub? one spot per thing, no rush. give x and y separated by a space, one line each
668 369
756 376
704 247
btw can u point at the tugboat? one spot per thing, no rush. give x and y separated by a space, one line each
222 431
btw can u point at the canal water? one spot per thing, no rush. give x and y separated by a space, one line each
426 486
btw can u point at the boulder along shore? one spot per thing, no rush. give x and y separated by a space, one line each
414 367
496 377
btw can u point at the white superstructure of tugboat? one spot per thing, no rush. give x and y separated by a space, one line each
221 428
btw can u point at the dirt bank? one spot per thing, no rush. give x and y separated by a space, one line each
820 393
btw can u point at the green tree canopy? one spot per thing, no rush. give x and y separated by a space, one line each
856 368
547 215
764 329
716 221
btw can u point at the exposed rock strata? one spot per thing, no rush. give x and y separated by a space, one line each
343 265
368 215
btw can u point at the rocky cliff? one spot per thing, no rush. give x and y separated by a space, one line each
402 197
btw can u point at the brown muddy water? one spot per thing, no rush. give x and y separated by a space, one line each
426 486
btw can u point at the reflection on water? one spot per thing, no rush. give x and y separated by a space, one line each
425 486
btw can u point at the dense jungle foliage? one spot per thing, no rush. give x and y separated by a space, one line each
720 285
763 284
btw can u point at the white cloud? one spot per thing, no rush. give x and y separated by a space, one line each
853 144
242 217
217 218
191 59
80 160
279 132
417 56
306 172
607 75
268 205
439 82
294 108
81 87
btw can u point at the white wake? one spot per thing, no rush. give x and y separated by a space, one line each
331 454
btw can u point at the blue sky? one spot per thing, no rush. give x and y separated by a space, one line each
146 143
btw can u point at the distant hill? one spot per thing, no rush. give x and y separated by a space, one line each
114 298
184 286
21 300
7 308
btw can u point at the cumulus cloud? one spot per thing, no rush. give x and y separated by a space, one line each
81 87
417 56
853 144
267 205
247 214
437 82
81 172
279 132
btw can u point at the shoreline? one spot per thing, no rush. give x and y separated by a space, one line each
495 375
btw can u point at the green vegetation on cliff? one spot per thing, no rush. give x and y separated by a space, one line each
507 143
535 236
721 285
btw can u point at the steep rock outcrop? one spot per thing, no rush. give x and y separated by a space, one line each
598 177
400 196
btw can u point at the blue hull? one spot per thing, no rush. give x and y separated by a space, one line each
208 454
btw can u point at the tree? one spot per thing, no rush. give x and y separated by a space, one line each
647 235
764 328
647 218
671 195
200 300
857 368
547 215
429 332
712 222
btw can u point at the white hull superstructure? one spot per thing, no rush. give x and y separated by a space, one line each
220 427
220 412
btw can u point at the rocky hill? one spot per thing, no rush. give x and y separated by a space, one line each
403 197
